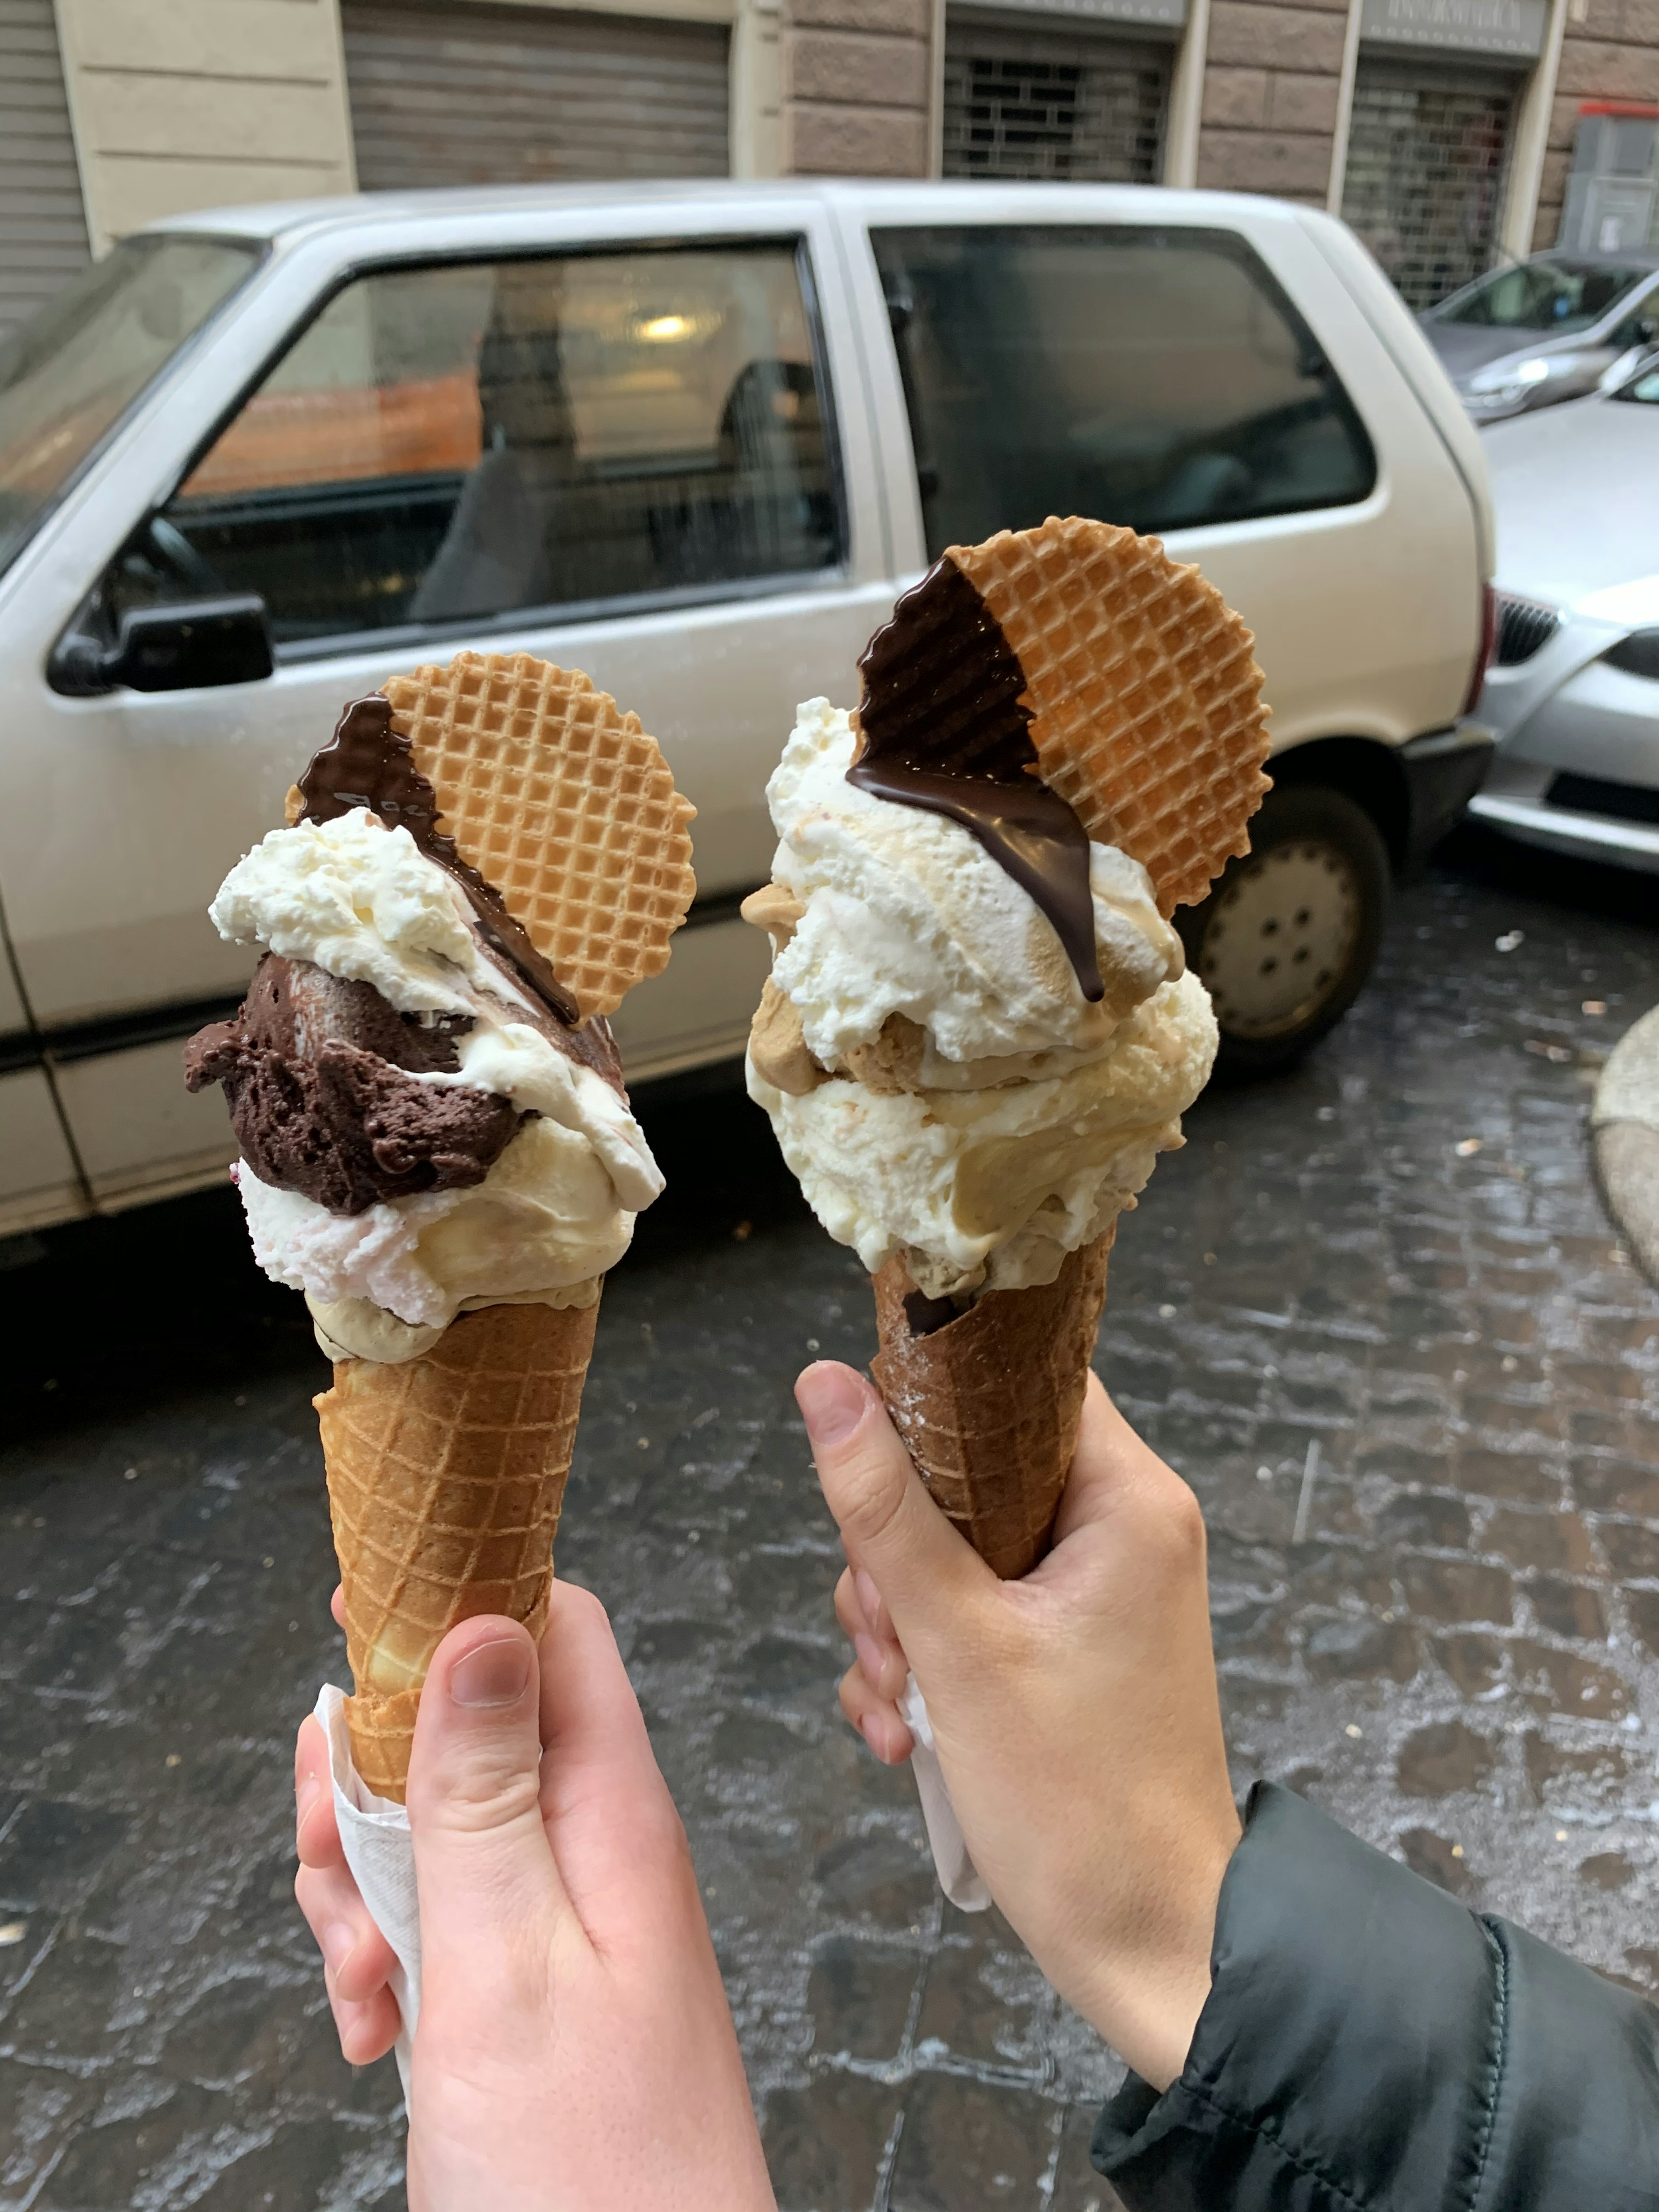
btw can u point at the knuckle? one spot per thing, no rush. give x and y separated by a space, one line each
1183 1524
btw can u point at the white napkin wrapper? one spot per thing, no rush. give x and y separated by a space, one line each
374 1835
958 1877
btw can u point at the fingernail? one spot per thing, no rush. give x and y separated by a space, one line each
832 1402
307 1797
337 1943
495 1674
869 1597
870 1658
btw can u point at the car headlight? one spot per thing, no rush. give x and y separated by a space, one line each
1533 382
1637 654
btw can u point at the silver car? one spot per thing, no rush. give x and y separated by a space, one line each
1542 331
1573 688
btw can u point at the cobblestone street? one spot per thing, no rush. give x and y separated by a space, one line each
1374 1312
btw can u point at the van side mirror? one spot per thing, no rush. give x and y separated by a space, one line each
184 648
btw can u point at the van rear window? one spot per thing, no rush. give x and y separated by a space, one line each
1154 377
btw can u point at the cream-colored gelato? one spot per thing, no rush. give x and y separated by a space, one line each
545 1217
906 913
990 1188
936 1078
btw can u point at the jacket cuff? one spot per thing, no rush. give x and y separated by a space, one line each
1352 2004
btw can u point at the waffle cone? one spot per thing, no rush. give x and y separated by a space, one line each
1146 700
564 804
445 1475
989 1406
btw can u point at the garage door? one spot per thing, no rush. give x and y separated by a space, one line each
476 96
43 229
1031 100
1428 160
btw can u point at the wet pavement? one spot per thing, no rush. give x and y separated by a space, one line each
1374 1312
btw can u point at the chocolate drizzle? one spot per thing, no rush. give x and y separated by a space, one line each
946 728
366 764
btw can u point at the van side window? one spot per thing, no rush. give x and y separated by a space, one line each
1156 378
449 444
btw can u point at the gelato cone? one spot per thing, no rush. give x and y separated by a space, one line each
979 1031
445 1475
436 1144
989 1401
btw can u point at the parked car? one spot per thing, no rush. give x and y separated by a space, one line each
1546 329
693 439
1573 689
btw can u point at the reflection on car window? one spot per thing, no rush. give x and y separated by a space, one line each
1559 297
70 374
1154 378
1644 389
465 441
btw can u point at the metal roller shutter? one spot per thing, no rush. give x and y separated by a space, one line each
1027 101
476 95
43 225
1428 159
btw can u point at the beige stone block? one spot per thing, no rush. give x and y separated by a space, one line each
206 119
1248 35
1594 70
854 142
206 38
138 189
1300 103
908 19
1264 161
847 68
1235 99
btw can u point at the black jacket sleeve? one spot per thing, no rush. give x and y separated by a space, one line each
1370 2045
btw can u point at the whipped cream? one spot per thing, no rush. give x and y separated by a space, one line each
545 1217
366 903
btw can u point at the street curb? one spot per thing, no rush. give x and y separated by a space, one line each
1624 1133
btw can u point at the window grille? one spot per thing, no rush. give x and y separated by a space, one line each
1055 107
1428 158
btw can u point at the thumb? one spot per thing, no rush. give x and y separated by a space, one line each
929 1575
483 1867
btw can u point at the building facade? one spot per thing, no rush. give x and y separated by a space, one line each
1450 133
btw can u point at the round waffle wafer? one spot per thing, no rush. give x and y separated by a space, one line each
1145 699
564 804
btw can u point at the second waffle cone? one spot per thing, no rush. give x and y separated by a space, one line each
446 1477
989 1406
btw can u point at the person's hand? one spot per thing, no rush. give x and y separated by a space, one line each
575 2047
1075 1712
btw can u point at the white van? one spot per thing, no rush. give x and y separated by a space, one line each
694 439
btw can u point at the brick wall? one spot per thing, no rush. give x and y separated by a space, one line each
856 82
1270 87
1613 54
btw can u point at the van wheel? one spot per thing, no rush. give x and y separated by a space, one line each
1290 933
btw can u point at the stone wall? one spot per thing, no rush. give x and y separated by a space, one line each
1612 54
182 104
857 80
1270 97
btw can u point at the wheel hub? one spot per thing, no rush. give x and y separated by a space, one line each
1280 937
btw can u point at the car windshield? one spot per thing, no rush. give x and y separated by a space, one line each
1560 297
71 373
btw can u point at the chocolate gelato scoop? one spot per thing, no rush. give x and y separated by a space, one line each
319 1077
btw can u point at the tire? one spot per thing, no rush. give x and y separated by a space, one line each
1290 933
